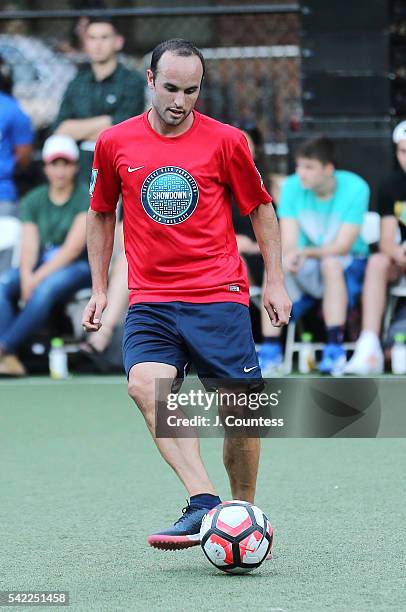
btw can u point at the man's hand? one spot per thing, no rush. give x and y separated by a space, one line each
277 303
293 260
28 285
92 314
39 275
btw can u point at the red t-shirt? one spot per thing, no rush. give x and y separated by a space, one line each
178 232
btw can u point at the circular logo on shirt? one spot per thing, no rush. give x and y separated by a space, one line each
169 195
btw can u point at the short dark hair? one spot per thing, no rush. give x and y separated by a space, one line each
101 19
321 148
177 46
6 77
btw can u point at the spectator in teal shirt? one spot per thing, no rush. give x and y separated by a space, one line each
321 211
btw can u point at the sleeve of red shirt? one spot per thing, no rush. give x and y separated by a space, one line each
244 179
106 184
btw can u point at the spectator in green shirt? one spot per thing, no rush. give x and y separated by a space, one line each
101 95
53 263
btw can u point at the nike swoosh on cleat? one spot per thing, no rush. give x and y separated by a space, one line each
249 369
134 169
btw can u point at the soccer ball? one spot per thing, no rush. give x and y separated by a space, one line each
236 536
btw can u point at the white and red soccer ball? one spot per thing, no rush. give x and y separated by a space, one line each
236 536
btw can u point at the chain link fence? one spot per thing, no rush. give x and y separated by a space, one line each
252 54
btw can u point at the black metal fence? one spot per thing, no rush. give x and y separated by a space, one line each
252 54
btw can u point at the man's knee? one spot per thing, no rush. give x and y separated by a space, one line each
149 383
331 266
379 263
141 388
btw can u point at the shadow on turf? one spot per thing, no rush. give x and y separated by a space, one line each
204 569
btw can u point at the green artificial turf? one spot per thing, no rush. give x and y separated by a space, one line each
82 486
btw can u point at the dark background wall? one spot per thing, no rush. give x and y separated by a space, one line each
353 81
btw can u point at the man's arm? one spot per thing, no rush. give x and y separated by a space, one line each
28 259
70 250
84 129
292 258
100 240
341 245
289 234
266 229
78 129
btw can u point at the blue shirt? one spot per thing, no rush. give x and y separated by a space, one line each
15 129
320 220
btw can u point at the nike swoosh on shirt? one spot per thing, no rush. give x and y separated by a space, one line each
134 169
249 369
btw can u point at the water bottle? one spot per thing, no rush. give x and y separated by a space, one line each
58 360
306 354
398 354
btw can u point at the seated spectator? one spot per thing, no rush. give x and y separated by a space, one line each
53 262
101 95
324 257
16 138
384 267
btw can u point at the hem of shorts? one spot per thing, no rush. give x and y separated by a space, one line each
145 298
153 361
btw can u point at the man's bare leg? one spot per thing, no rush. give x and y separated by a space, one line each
182 454
240 452
368 357
241 456
241 460
335 292
374 293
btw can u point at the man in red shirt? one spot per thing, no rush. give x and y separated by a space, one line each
176 170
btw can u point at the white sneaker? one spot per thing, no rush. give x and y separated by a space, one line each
367 359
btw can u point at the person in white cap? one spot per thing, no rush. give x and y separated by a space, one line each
53 263
384 267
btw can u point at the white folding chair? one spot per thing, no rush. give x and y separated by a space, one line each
74 310
370 232
10 237
256 296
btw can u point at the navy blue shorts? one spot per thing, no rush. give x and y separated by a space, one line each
216 338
